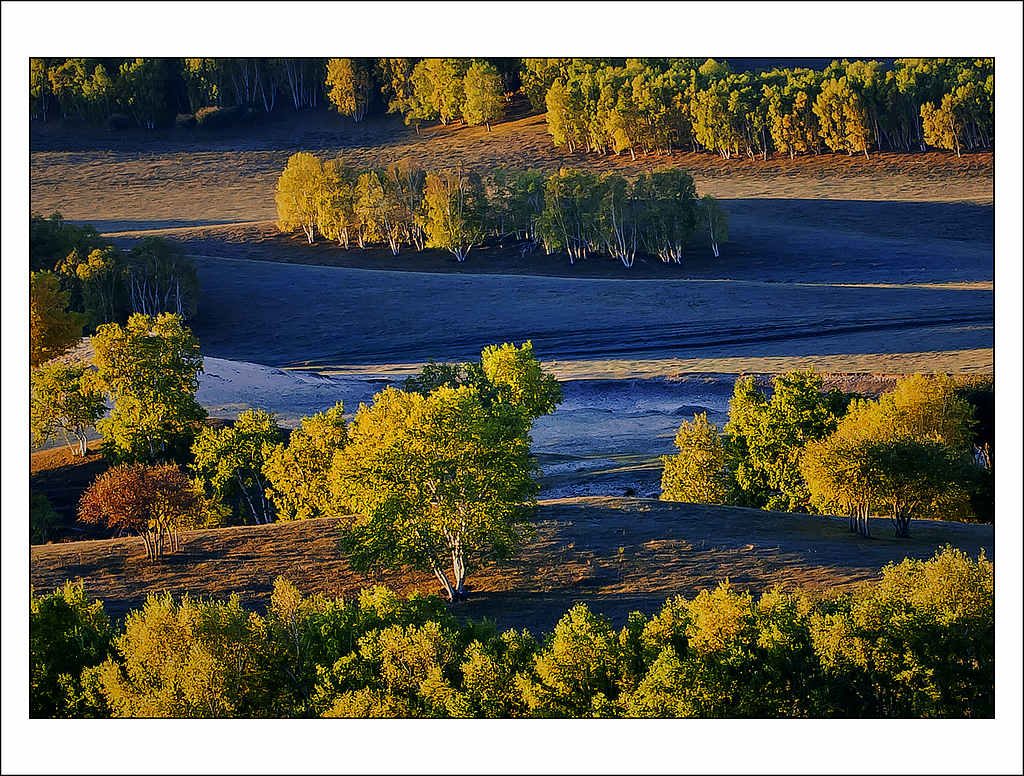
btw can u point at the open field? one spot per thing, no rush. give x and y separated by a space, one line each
131 181
666 549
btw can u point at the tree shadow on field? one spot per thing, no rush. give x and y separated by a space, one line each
853 241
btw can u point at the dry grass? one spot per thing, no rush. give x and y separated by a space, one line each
183 178
616 554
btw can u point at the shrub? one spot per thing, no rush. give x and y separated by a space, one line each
213 117
153 502
190 658
918 643
68 632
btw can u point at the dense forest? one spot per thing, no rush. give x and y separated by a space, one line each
592 105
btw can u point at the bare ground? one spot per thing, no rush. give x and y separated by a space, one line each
618 555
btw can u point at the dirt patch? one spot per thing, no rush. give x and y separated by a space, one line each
618 555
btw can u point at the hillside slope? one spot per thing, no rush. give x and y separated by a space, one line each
616 554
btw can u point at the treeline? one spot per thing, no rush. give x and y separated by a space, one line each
571 211
924 449
152 92
851 107
79 281
919 642
593 105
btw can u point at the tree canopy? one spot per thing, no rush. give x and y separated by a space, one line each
150 369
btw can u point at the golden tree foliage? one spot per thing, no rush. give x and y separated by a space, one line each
698 472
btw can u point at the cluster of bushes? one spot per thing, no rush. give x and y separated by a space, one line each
571 211
915 451
920 642
78 280
648 105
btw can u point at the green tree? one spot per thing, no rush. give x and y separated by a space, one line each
350 84
296 473
40 91
52 328
570 207
519 379
437 90
618 219
766 437
945 126
65 400
67 632
334 204
231 462
907 451
716 220
578 672
455 205
484 95
698 472
381 210
150 369
297 194
146 91
441 481
52 240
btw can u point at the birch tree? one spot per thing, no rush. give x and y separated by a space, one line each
456 211
670 215
350 82
568 220
698 472
297 194
231 462
297 473
715 221
65 400
334 203
842 120
150 369
442 482
161 280
484 95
